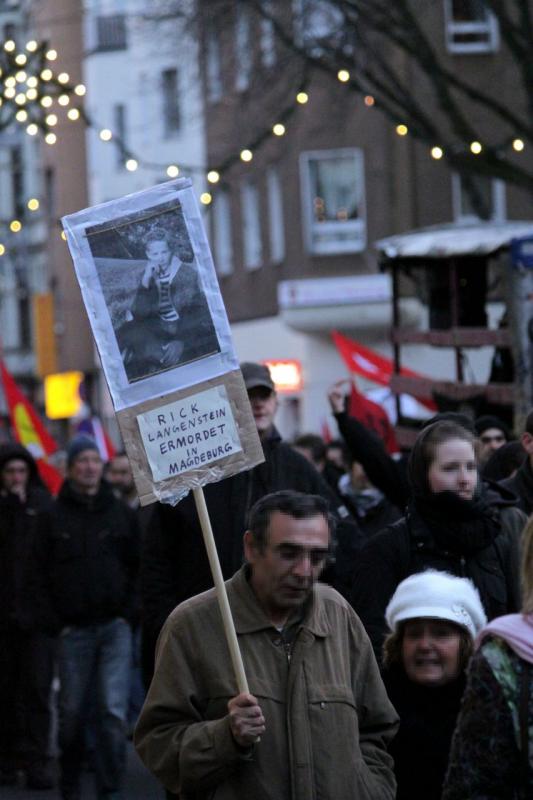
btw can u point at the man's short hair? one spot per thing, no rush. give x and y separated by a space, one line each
314 443
287 501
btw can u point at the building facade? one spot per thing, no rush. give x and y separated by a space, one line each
294 222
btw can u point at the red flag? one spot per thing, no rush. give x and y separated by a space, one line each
30 431
366 362
373 416
325 431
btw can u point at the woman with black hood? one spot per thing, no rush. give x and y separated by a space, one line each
454 523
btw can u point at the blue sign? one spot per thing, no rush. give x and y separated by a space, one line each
522 252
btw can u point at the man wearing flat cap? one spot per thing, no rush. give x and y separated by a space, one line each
87 569
174 566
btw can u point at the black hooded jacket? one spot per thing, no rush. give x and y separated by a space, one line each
88 560
21 524
410 546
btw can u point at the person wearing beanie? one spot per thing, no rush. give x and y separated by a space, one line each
492 433
87 571
498 698
433 618
454 523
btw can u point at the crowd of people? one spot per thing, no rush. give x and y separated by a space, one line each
383 606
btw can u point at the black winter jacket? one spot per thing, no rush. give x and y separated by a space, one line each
21 524
408 547
421 747
174 563
383 471
88 560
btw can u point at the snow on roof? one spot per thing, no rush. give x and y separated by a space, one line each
442 241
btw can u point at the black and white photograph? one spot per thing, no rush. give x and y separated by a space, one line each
150 283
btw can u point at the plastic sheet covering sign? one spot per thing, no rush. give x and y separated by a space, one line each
150 289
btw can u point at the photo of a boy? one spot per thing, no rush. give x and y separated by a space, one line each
170 322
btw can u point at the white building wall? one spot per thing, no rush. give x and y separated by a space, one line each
132 77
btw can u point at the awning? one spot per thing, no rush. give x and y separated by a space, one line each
444 241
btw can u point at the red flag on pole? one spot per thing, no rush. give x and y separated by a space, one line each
373 416
30 431
369 364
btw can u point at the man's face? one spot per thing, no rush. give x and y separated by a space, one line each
158 253
490 440
264 404
119 474
86 472
15 475
283 573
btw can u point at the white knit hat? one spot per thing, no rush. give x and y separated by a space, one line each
437 595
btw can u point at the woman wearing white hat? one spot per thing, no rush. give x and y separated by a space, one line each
433 617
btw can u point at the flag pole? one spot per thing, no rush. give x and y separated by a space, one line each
220 588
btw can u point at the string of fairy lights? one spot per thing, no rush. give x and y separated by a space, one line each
32 94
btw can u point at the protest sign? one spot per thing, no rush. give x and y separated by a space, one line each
150 289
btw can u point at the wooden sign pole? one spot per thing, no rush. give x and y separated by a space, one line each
220 587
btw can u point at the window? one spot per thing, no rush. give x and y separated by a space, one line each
222 233
111 32
319 23
267 40
470 27
121 137
251 226
489 202
275 216
243 50
171 107
17 181
214 79
333 200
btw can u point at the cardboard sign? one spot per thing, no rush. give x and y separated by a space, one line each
150 289
185 434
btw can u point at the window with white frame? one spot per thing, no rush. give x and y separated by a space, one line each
243 50
214 75
470 27
333 200
251 225
267 39
276 229
222 233
490 195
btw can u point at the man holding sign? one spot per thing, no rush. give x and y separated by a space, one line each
174 565
316 721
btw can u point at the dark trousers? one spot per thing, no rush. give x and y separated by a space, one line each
26 673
